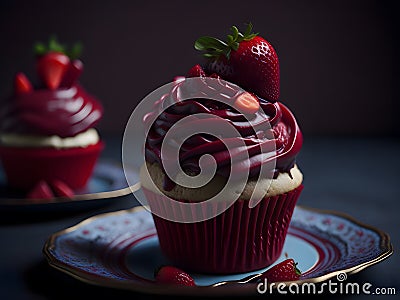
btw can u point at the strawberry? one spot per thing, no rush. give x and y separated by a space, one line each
174 276
247 60
58 66
215 75
72 73
40 191
196 71
51 68
22 85
61 189
283 271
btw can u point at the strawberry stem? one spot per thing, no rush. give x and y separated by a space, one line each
214 47
53 45
297 270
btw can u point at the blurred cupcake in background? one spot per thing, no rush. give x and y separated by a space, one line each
48 141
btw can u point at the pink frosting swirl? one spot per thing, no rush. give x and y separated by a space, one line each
64 112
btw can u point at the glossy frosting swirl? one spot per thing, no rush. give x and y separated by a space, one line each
283 131
62 112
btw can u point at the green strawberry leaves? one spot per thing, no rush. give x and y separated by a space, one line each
53 45
214 48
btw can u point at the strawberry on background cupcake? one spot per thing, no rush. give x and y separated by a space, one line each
244 237
48 141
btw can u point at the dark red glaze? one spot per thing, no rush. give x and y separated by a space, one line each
282 132
64 112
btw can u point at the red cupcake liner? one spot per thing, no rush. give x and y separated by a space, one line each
24 167
241 239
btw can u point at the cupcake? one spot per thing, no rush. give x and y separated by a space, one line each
47 130
244 229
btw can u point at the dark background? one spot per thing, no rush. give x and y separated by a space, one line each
338 60
339 75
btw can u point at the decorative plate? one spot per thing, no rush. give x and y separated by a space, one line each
108 181
121 250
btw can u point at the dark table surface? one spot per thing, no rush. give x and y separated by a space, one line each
357 176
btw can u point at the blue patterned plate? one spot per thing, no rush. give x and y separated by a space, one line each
121 250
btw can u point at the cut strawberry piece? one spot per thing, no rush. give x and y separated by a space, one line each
173 276
196 71
215 75
61 189
284 271
247 103
40 191
51 68
22 85
72 74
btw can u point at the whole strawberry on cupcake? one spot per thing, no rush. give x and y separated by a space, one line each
243 237
48 141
